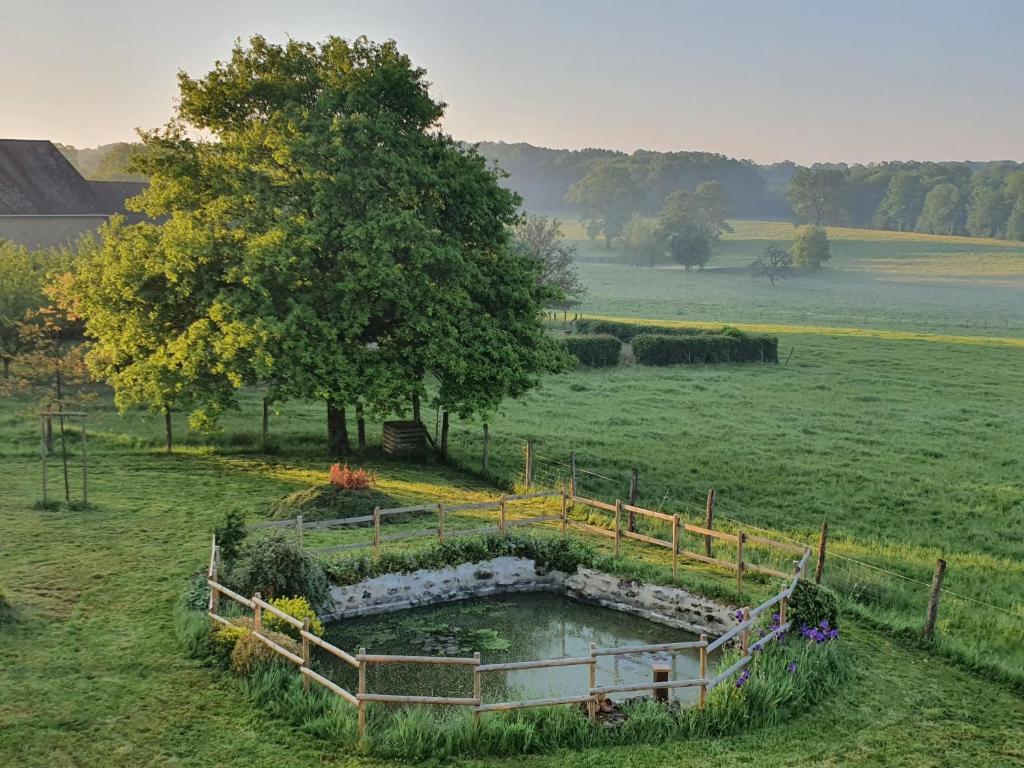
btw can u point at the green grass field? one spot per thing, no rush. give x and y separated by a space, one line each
907 441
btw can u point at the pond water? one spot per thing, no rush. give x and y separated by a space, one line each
522 627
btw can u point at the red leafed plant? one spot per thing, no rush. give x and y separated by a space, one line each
348 479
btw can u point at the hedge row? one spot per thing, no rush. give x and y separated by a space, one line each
731 347
625 332
594 351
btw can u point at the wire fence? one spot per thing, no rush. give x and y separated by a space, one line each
888 585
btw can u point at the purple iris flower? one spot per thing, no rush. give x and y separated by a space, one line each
791 667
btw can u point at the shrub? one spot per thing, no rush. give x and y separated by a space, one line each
350 479
728 346
597 351
811 604
298 608
231 536
250 653
223 640
276 565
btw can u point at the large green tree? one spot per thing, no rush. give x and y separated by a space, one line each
943 212
690 225
324 235
608 195
811 248
21 291
818 196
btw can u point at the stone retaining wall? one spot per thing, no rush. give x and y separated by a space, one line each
672 606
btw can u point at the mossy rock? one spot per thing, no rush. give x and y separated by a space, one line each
326 502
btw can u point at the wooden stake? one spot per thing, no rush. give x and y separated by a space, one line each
477 685
633 493
305 655
592 703
484 460
618 527
933 599
257 613
675 546
703 671
85 468
376 531
740 540
709 522
529 464
440 522
361 706
659 673
822 541
572 473
565 509
745 633
501 513
298 529
42 451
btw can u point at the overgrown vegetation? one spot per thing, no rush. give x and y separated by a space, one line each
275 565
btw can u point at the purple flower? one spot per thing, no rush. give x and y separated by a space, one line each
742 679
791 667
739 615
775 619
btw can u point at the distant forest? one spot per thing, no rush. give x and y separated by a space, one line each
982 199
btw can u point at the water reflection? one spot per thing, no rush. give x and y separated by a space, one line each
503 629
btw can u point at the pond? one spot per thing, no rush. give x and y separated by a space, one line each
521 627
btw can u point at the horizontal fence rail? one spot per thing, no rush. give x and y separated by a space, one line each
595 693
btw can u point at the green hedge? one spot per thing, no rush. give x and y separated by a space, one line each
728 347
625 332
596 351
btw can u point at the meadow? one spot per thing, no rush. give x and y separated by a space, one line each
905 437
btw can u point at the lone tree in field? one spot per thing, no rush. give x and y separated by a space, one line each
811 248
690 225
775 264
322 234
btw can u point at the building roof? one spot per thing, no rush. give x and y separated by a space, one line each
37 180
114 194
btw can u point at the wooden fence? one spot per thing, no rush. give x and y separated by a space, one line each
595 692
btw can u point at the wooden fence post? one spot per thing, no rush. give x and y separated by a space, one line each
529 464
618 527
565 509
376 531
42 451
485 458
819 569
745 633
361 706
933 599
592 702
703 672
659 674
572 473
633 493
741 539
501 513
440 522
257 614
85 468
305 655
675 546
298 528
709 521
477 685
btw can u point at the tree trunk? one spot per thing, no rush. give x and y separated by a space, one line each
444 435
416 408
7 367
361 427
608 242
337 430
168 435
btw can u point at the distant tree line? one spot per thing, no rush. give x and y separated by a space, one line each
949 198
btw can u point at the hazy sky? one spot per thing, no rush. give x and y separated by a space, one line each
821 80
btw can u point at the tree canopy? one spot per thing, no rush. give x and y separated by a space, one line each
322 235
811 247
